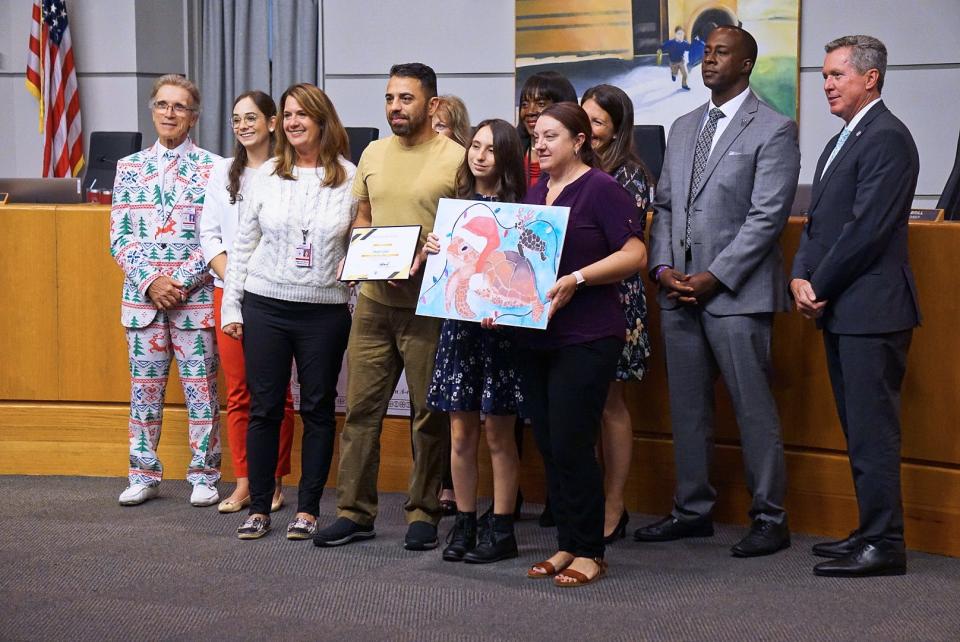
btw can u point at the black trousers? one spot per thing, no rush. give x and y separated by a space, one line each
274 334
866 372
564 391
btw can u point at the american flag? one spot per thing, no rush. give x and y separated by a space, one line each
52 79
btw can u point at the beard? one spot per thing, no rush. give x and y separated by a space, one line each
413 124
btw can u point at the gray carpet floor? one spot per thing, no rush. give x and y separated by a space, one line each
74 565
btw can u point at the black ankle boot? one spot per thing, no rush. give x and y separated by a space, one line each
462 538
496 542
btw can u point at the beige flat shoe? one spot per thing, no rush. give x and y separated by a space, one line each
277 503
227 506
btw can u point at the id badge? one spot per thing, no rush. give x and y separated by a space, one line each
304 256
188 222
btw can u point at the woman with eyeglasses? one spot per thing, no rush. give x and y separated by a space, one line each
254 120
282 297
452 120
539 91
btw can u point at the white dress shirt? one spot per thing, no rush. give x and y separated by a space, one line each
850 127
729 110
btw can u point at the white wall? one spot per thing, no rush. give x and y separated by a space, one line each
122 45
118 51
468 43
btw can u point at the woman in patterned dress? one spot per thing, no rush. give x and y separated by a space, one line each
611 122
475 371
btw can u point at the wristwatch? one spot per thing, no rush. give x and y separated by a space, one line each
579 277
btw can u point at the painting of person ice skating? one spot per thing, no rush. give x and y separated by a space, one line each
652 49
496 260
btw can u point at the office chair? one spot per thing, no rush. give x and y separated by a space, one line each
106 148
950 199
650 142
360 137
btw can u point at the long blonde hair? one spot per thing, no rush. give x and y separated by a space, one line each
333 137
457 117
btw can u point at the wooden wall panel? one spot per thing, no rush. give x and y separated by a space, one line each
90 440
89 331
28 311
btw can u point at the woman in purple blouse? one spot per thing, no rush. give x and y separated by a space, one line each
565 371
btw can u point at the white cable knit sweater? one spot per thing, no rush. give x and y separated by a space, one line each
273 216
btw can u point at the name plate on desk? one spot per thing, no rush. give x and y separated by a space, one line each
380 253
926 215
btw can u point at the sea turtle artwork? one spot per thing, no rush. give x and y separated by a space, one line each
529 238
496 260
508 277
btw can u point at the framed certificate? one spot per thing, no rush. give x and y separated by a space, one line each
380 253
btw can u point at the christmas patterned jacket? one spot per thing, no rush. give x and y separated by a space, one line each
155 233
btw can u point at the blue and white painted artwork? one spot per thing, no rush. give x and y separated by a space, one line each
496 260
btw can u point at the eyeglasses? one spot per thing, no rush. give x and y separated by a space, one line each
248 119
161 107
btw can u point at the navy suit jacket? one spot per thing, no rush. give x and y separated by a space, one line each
854 246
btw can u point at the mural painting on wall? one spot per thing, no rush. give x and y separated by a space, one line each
646 47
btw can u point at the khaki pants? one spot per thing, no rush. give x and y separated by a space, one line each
383 341
681 68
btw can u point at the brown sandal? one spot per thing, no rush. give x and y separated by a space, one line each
541 570
578 578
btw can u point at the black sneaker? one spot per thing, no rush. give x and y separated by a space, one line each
342 531
421 536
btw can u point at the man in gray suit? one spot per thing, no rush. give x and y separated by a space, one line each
729 178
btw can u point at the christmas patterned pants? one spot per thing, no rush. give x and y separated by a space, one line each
151 349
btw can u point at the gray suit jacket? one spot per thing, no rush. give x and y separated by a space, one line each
737 214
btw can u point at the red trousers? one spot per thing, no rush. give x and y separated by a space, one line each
238 401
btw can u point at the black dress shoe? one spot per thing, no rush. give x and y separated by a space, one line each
841 548
765 538
670 528
869 560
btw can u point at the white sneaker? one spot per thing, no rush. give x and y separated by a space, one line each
204 495
138 493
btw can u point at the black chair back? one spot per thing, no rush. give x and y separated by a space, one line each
950 199
650 142
360 137
106 148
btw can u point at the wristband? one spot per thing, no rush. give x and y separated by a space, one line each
579 277
659 271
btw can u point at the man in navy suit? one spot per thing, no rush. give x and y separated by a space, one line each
852 274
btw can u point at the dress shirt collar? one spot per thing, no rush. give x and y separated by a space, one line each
731 107
178 150
860 114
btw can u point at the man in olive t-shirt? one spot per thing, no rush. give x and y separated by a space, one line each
399 181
